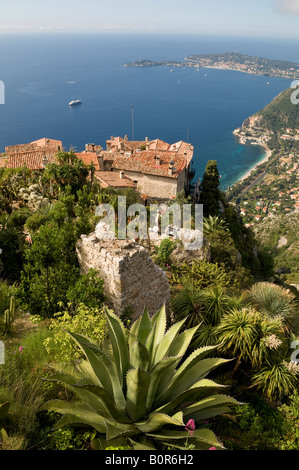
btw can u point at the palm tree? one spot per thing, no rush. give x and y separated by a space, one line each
275 302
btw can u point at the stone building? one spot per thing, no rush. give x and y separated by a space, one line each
130 276
160 170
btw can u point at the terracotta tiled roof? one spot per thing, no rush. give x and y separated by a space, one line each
44 143
112 179
33 160
88 158
117 144
158 144
146 162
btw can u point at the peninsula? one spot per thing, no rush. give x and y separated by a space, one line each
231 61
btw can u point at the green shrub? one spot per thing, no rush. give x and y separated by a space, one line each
200 274
88 290
164 251
290 412
87 321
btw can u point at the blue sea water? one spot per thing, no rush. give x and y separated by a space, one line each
43 72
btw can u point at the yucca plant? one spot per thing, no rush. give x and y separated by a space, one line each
211 224
275 302
205 307
276 381
251 336
141 389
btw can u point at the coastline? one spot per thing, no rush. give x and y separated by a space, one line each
265 158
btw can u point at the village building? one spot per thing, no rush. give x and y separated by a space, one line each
158 169
113 179
89 158
34 155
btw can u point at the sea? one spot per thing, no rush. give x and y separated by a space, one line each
43 72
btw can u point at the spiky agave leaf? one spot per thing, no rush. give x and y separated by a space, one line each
133 393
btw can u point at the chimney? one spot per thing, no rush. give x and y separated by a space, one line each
89 147
121 175
158 161
44 161
126 138
146 139
170 168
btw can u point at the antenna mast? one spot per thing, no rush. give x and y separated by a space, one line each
132 123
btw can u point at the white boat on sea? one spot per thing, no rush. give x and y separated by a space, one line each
74 102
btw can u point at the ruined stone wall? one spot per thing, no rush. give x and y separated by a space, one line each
130 276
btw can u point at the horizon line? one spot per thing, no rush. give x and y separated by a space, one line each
124 30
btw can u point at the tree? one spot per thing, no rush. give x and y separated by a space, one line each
69 171
51 267
210 194
140 390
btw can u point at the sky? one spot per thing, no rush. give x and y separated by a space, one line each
272 18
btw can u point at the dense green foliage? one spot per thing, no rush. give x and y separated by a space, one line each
281 113
41 219
270 232
87 321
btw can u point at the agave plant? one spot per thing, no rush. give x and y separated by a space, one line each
141 389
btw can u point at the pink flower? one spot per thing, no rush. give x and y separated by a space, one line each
212 448
190 427
21 349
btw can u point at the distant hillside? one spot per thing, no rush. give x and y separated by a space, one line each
279 115
279 236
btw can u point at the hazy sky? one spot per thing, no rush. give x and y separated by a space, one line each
278 18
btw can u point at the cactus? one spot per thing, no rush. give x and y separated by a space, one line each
9 315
